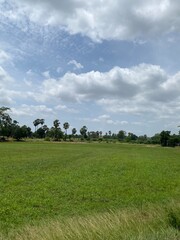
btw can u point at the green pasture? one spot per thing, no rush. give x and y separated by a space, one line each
43 180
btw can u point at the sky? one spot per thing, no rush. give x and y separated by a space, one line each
108 64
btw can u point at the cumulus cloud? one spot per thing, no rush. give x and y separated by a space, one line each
121 83
137 90
143 89
104 19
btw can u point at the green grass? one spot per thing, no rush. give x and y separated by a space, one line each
45 181
124 224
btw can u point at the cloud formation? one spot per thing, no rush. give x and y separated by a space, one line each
140 89
104 19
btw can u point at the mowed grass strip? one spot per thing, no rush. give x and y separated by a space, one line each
48 180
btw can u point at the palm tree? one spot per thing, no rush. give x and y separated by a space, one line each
56 123
83 131
66 126
46 129
74 131
41 121
37 122
57 130
3 110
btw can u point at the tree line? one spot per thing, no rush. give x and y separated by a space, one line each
10 128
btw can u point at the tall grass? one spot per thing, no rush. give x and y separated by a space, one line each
132 224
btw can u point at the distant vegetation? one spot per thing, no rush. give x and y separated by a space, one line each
10 129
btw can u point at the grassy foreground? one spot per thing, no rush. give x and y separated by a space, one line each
88 191
126 225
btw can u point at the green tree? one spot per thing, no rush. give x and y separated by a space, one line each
156 139
83 132
56 123
66 126
131 137
40 133
143 139
164 138
37 122
74 131
121 135
46 129
5 122
55 132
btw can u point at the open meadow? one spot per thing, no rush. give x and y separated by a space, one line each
89 191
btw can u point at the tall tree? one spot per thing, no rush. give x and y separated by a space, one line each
37 122
74 131
66 126
5 122
83 131
56 123
164 138
41 121
121 135
56 130
46 129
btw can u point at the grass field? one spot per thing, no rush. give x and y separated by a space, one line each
109 190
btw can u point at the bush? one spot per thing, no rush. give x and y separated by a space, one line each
47 139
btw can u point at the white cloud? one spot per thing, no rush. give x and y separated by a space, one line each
104 19
4 57
32 110
105 119
66 109
75 64
46 74
5 78
141 89
5 97
121 83
28 83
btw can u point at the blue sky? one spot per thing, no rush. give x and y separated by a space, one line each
109 65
